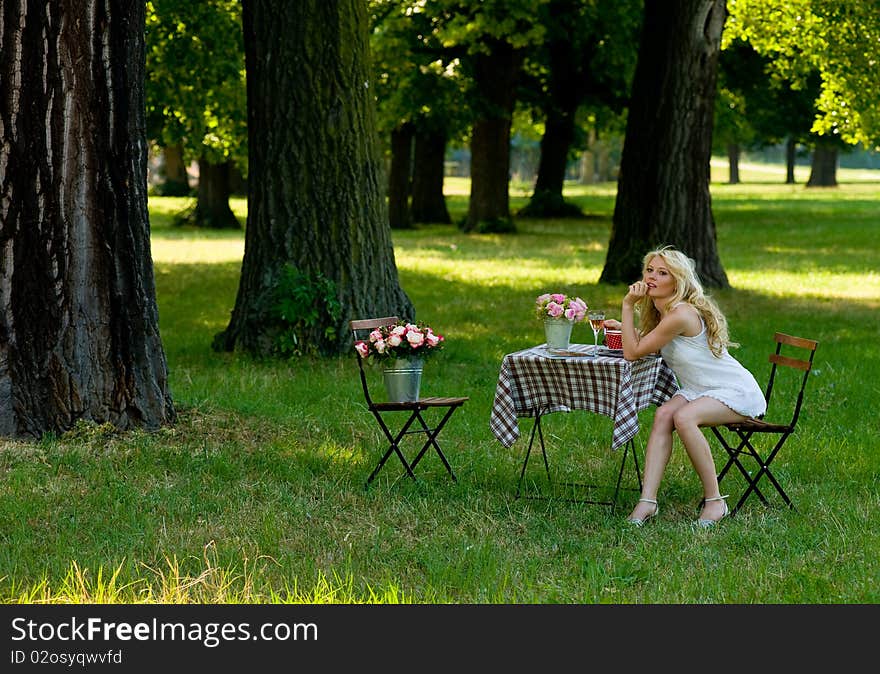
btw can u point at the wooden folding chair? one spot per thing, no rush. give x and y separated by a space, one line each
746 432
415 422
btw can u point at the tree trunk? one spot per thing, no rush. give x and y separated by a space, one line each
428 201
663 189
176 183
733 163
823 171
315 197
790 156
399 177
212 209
547 200
496 74
79 336
237 181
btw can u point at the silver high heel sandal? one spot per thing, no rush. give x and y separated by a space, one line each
639 522
708 524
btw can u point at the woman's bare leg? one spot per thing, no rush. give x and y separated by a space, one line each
687 421
657 453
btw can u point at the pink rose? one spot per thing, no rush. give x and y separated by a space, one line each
362 349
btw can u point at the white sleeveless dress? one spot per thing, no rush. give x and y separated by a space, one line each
700 373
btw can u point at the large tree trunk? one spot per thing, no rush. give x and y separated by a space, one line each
428 201
547 200
733 163
212 209
176 183
399 177
315 197
496 74
663 190
823 169
79 335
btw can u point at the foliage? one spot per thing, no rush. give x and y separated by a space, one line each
304 302
840 40
559 305
416 81
403 340
757 108
195 87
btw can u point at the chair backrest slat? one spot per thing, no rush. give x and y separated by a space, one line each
798 342
371 323
790 362
805 366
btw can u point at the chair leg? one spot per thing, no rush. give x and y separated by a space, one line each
733 460
762 471
394 446
432 440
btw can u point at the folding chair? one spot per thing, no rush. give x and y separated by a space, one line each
414 411
747 431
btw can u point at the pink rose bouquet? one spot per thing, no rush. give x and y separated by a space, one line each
557 305
403 340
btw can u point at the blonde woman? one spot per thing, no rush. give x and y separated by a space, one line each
690 332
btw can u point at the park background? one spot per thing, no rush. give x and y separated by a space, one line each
256 492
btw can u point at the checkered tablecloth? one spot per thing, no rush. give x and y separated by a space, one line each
531 382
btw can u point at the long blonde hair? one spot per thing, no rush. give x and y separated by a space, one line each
687 289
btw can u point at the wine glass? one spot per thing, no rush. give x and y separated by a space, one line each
597 322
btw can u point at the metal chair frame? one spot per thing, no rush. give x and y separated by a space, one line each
745 431
414 409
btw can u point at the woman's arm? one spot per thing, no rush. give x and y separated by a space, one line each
671 325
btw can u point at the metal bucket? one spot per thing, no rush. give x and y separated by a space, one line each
403 378
557 332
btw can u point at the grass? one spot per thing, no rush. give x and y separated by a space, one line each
256 494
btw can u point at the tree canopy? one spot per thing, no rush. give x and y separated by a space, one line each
839 40
195 86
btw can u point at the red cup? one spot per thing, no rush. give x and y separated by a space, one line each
613 339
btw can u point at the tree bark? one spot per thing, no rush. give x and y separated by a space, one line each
79 335
237 181
790 156
315 196
547 200
733 162
176 183
663 189
823 170
399 176
428 200
212 209
496 74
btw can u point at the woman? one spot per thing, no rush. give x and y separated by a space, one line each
690 332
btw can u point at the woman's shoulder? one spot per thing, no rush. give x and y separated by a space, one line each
683 309
688 316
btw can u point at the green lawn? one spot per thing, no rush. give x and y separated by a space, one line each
257 495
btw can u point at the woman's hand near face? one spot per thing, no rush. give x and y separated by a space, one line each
636 292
